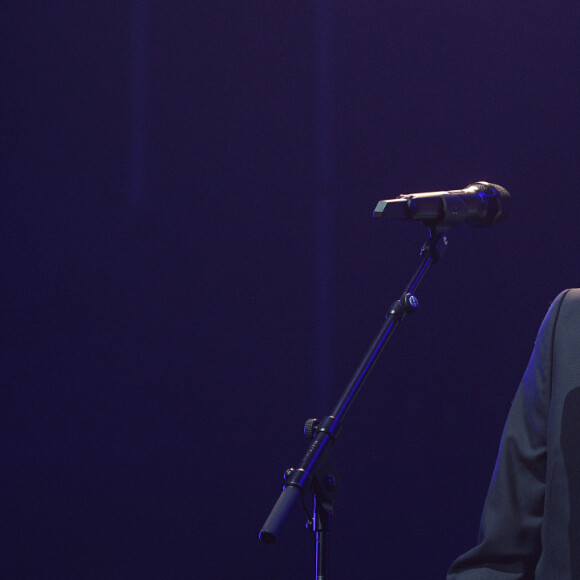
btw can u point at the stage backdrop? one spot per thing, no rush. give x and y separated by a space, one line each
190 269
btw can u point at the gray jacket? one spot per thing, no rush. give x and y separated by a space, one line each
530 526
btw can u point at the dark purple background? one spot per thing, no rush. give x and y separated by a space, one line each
190 269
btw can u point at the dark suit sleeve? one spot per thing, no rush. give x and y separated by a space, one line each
510 531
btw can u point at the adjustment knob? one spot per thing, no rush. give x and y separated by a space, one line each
310 428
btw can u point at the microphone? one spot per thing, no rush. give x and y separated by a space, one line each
479 204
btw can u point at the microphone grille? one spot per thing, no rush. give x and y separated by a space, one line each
498 202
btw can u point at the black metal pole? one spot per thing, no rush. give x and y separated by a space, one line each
321 524
408 303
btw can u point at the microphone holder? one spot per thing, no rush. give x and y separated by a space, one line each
316 472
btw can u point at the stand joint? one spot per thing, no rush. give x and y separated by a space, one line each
436 246
407 305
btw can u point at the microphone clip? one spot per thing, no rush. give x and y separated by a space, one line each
436 246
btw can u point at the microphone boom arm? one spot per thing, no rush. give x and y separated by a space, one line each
316 472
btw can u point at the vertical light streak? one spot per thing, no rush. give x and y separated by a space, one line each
138 85
324 218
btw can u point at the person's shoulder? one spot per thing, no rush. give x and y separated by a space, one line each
571 294
567 304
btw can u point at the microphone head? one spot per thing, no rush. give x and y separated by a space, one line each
496 200
480 204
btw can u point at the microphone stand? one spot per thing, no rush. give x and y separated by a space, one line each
316 472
